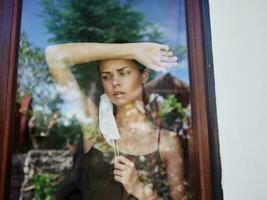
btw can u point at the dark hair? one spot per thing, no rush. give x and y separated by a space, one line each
140 66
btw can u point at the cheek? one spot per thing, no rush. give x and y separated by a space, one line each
107 86
135 94
134 88
134 82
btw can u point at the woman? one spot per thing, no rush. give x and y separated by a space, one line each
148 161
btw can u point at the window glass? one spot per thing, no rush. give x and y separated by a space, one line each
102 101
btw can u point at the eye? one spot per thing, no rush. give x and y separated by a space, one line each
124 73
106 77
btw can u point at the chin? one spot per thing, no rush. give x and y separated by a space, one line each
123 102
120 102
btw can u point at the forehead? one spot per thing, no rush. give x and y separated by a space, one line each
115 64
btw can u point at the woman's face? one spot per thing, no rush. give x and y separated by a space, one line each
122 80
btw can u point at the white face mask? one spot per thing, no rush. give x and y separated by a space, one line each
107 122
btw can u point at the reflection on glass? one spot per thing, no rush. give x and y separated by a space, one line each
99 114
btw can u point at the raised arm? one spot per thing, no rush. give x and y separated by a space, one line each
59 58
77 53
152 55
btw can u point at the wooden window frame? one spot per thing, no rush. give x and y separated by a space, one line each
204 155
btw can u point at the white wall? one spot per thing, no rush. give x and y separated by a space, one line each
239 39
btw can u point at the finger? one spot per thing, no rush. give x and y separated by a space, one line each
168 59
118 172
166 53
125 161
158 68
165 64
118 178
120 166
164 47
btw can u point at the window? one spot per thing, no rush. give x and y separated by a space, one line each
189 89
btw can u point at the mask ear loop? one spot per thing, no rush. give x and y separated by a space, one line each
116 148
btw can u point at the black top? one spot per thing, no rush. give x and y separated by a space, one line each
93 177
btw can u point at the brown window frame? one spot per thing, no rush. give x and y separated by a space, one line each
204 155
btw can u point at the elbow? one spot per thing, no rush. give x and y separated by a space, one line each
50 51
50 54
54 55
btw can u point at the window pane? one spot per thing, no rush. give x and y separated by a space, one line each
97 117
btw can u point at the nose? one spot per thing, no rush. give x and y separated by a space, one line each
116 82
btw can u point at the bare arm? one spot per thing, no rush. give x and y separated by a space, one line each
76 53
152 55
172 155
59 58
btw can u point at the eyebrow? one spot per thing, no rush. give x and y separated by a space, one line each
119 70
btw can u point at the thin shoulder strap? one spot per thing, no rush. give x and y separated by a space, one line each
158 136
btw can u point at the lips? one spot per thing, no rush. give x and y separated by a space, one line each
118 94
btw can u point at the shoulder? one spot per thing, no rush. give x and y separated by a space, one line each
94 138
170 145
168 139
